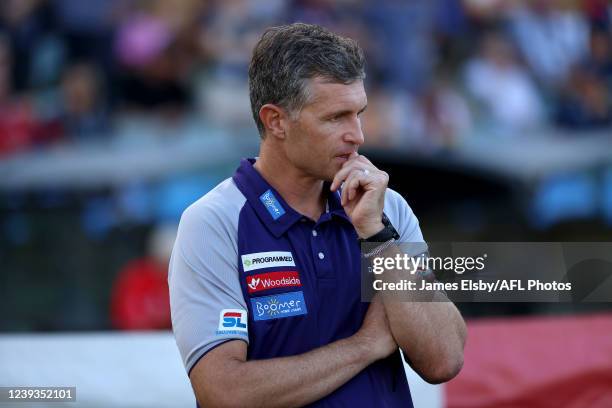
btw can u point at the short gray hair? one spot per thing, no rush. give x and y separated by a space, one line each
286 57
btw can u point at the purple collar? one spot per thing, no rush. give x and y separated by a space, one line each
270 206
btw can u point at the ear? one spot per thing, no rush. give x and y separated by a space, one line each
274 119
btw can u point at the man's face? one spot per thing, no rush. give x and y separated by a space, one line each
328 128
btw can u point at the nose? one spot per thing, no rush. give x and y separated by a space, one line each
354 134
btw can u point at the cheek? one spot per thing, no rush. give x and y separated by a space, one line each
321 148
311 147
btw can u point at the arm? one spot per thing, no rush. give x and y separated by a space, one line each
430 333
224 378
204 284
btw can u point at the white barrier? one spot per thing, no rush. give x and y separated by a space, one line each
139 369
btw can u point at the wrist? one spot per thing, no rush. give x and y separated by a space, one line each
367 231
384 234
363 346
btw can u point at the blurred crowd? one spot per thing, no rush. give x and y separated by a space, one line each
74 71
132 74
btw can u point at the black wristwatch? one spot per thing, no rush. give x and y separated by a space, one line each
386 234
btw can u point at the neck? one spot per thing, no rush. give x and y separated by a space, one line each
302 192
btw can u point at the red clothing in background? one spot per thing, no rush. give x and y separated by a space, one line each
140 299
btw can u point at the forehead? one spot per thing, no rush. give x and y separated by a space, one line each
329 96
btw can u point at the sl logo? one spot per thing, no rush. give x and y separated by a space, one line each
233 318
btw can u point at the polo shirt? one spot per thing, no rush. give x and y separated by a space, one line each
247 266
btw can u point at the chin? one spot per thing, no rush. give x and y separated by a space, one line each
330 177
324 172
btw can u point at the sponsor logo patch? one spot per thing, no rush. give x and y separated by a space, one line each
271 280
275 209
258 260
278 306
233 321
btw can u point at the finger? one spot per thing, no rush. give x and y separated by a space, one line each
355 180
353 186
346 169
345 189
341 175
356 158
353 155
343 172
364 160
352 163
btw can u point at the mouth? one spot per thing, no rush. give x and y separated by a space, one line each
343 157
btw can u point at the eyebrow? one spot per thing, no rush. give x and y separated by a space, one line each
346 111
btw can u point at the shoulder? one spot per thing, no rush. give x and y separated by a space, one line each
401 216
216 213
208 229
222 205
396 205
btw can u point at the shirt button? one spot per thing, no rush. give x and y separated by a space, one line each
321 255
314 233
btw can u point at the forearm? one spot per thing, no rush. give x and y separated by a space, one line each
431 333
289 381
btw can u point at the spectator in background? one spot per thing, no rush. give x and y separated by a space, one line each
599 12
17 122
227 36
584 102
498 82
153 78
322 12
230 31
84 113
139 298
26 22
402 49
87 28
442 116
384 122
341 16
552 37
435 118
600 58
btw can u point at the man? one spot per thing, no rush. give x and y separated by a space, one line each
265 274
